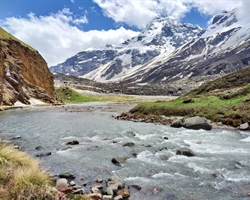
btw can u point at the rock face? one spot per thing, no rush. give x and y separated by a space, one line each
195 123
169 52
24 74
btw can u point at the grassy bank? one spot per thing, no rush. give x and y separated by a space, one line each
68 95
225 100
22 178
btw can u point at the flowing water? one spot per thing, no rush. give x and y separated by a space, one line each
220 169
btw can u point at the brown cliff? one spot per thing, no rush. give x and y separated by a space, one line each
24 74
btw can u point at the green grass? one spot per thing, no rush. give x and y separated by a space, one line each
233 111
4 35
68 95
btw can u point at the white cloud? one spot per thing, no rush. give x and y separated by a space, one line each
57 36
139 12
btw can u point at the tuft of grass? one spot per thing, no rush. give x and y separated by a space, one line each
69 95
22 178
4 35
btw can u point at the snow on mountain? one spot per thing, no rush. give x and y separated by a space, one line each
161 37
223 48
169 51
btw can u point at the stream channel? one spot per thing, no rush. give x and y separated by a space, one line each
220 169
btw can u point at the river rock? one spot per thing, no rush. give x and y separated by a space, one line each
195 123
95 190
62 182
66 175
128 144
95 196
244 127
16 137
125 193
79 191
107 197
43 154
119 197
135 187
74 142
119 160
38 148
185 151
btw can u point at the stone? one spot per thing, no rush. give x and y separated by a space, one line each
43 154
130 133
134 186
118 180
95 196
125 193
163 157
128 144
62 182
176 123
72 183
79 191
244 127
197 123
99 187
110 191
119 160
95 190
107 197
99 180
66 175
185 151
74 142
119 197
16 137
38 148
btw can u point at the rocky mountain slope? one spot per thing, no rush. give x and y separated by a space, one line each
168 51
161 37
24 74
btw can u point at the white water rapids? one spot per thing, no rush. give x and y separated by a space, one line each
220 169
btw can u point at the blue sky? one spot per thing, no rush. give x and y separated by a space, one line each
59 29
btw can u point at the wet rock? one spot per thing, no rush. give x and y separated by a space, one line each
185 151
128 144
62 182
43 154
79 191
125 193
137 187
99 180
197 123
244 127
74 142
109 191
217 175
38 148
16 137
107 197
119 197
163 157
66 175
72 183
95 196
119 160
165 138
130 133
66 148
95 190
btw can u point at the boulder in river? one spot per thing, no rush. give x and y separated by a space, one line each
66 175
119 160
244 127
43 154
195 123
74 142
185 151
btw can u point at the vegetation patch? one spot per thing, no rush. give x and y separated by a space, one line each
69 95
225 100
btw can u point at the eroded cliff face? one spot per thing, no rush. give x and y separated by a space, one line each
24 74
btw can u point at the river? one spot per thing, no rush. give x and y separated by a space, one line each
220 169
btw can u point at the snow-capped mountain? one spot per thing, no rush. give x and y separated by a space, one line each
161 37
169 51
223 48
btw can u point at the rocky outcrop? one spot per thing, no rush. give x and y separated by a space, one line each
24 74
195 123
